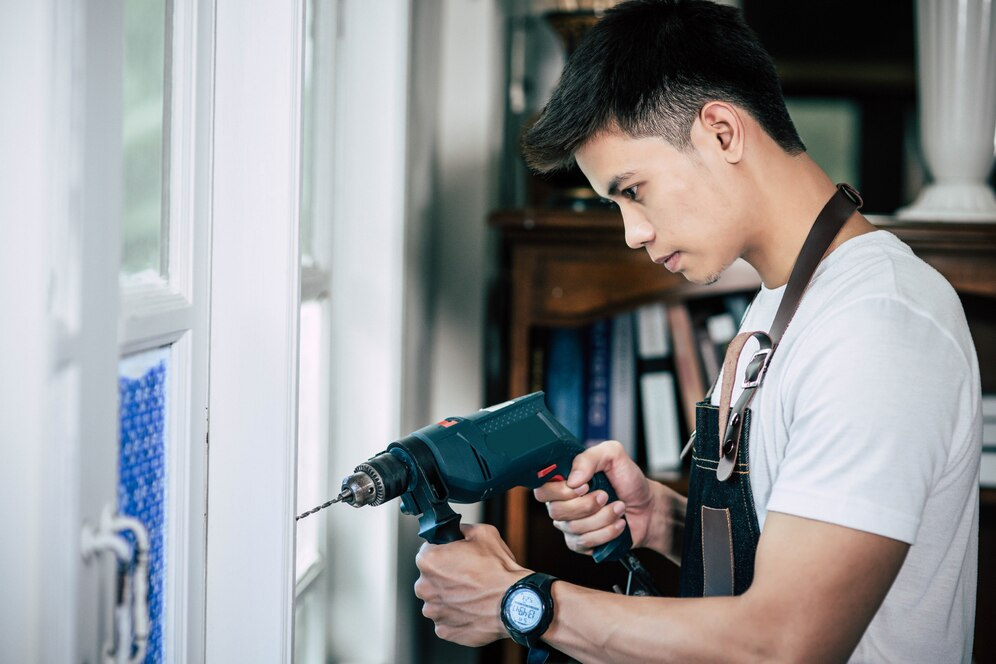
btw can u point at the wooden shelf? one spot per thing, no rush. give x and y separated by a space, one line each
567 268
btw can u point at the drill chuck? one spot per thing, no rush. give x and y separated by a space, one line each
376 481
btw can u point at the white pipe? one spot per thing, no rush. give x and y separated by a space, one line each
140 624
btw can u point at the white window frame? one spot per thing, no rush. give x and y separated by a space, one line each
174 312
255 288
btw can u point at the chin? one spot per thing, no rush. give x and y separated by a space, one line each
707 280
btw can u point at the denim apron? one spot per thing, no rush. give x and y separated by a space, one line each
721 528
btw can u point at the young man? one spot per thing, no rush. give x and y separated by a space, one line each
852 531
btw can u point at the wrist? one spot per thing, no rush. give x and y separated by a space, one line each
666 521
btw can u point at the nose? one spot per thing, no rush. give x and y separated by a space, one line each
639 231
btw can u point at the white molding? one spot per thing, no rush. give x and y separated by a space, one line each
100 195
28 212
173 312
255 282
180 494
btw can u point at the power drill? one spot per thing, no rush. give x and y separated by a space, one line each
468 459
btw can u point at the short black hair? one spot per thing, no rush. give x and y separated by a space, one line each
648 67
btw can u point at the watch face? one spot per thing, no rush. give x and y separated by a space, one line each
524 609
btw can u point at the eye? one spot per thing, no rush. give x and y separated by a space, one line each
630 192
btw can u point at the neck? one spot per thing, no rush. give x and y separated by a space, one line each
785 213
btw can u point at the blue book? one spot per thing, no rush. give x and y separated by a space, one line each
622 390
598 382
565 371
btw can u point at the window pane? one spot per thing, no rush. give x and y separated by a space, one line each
831 130
142 469
312 486
145 145
308 141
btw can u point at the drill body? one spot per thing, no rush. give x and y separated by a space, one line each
467 459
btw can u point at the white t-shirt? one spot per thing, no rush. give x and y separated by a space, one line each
869 418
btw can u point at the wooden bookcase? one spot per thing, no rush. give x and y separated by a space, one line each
565 268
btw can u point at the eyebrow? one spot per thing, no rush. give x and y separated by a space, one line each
614 183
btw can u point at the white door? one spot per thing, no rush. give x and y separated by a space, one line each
127 242
147 214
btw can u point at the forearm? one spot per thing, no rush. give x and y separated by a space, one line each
667 522
816 588
594 626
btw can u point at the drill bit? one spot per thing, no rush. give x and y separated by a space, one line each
346 495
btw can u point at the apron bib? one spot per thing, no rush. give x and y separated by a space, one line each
721 528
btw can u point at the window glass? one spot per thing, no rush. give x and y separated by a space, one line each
308 142
831 130
311 486
146 96
142 407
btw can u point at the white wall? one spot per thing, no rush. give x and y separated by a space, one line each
455 141
368 272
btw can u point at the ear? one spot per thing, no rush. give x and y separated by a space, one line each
723 127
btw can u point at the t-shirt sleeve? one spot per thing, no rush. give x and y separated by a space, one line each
871 398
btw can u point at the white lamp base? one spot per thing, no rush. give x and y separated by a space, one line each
952 201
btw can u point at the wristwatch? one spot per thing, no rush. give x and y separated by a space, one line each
526 612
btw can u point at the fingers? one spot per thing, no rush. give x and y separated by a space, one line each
578 507
585 465
584 540
607 516
552 491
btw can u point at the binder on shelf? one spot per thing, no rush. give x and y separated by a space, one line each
622 393
660 424
658 396
653 336
987 469
691 383
565 378
598 365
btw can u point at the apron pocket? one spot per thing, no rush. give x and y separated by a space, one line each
717 552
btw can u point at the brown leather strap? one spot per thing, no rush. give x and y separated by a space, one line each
828 223
717 552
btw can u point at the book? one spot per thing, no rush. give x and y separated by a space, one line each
598 365
565 378
653 339
659 403
658 394
987 467
622 391
691 383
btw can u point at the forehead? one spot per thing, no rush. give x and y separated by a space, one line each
611 155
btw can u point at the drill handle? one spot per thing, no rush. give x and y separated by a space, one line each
440 525
621 545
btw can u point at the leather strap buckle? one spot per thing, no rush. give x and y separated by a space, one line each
756 369
852 194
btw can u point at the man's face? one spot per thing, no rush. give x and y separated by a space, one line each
672 202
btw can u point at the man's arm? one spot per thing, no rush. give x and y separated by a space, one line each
816 588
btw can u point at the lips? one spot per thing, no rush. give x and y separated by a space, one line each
670 261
